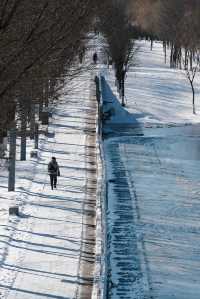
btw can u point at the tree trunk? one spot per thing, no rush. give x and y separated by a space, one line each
193 98
12 159
122 92
179 58
165 51
23 134
36 135
40 109
32 122
186 60
191 60
171 56
151 44
46 94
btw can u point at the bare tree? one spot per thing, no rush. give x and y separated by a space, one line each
116 27
39 44
190 72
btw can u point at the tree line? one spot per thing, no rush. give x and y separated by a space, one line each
115 25
39 42
176 23
42 42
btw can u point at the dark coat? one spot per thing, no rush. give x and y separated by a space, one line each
53 168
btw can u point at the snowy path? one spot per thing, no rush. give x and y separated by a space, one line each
44 252
153 161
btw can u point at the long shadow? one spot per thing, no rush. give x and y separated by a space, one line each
63 159
75 144
79 128
35 245
75 189
3 197
54 198
72 210
62 187
49 219
73 116
54 151
4 187
23 291
122 242
4 176
74 240
47 252
75 167
37 271
111 103
79 124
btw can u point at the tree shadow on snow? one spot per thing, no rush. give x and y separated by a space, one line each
117 120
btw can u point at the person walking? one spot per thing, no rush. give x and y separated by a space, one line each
54 171
95 57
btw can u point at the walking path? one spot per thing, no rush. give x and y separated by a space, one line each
48 252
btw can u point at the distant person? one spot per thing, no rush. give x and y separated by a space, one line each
95 57
81 54
54 171
110 62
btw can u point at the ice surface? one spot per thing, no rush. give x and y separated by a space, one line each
153 162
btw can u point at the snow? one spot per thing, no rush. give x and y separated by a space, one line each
118 115
40 250
156 94
152 161
152 170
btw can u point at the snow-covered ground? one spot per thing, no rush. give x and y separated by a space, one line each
156 93
41 251
152 153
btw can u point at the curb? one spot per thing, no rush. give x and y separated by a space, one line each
99 281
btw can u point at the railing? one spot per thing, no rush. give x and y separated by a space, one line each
100 289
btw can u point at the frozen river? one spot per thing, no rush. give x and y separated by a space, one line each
152 153
154 213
